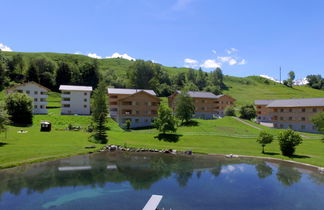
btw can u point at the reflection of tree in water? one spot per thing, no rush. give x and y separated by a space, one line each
288 175
317 178
263 170
217 169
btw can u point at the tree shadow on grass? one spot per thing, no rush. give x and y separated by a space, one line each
3 144
299 156
190 123
168 137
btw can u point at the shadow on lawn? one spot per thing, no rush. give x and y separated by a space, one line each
3 144
190 123
271 153
168 137
299 156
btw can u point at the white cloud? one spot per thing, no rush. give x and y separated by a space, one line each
268 77
210 63
181 4
214 51
77 53
242 62
227 59
4 47
231 50
94 55
124 56
190 63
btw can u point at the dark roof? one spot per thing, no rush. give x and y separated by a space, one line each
262 102
128 91
304 102
198 94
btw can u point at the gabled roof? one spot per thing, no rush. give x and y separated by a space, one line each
27 83
262 102
75 87
125 91
304 102
138 92
201 94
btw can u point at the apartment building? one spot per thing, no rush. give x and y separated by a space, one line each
75 99
263 112
207 105
37 92
137 105
294 113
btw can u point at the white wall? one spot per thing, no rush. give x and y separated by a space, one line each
77 102
34 91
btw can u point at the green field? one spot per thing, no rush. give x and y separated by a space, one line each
222 136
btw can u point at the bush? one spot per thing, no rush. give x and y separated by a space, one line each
288 140
264 139
248 112
20 108
229 111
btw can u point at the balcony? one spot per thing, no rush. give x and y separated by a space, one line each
65 102
64 95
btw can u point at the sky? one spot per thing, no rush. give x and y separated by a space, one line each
242 37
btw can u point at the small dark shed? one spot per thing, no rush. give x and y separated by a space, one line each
46 126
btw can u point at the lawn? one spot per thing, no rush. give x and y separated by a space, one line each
222 136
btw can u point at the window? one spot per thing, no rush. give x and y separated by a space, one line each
85 100
42 99
113 96
66 99
66 92
290 110
275 110
275 118
281 118
146 120
259 112
113 109
203 101
314 110
136 120
281 110
303 110
66 105
281 125
259 118
84 106
259 107
20 91
85 94
27 91
302 127
41 106
35 106
303 118
35 99
290 118
35 92
137 112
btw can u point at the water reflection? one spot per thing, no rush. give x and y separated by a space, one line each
140 171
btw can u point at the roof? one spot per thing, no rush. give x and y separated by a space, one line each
74 87
125 91
304 102
198 94
26 83
262 102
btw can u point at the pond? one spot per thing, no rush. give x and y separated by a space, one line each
121 180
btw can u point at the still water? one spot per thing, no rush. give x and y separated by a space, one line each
120 180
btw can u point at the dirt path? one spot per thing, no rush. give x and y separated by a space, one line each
242 121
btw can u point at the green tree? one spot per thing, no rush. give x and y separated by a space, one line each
18 67
185 107
229 111
191 76
288 140
90 74
4 118
3 71
19 107
264 139
290 80
247 112
201 79
315 81
318 121
100 113
64 74
33 73
144 75
165 121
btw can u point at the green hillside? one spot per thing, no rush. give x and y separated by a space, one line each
243 89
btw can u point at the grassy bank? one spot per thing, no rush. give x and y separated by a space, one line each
223 136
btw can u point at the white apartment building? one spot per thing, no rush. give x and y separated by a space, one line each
37 92
75 99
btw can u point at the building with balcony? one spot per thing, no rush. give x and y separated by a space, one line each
207 104
137 105
292 114
37 92
75 99
263 112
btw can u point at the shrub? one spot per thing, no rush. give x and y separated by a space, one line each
288 140
230 111
248 112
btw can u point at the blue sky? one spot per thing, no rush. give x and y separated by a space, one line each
244 37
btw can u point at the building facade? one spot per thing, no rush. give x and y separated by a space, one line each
207 105
294 114
263 112
138 106
75 99
37 92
